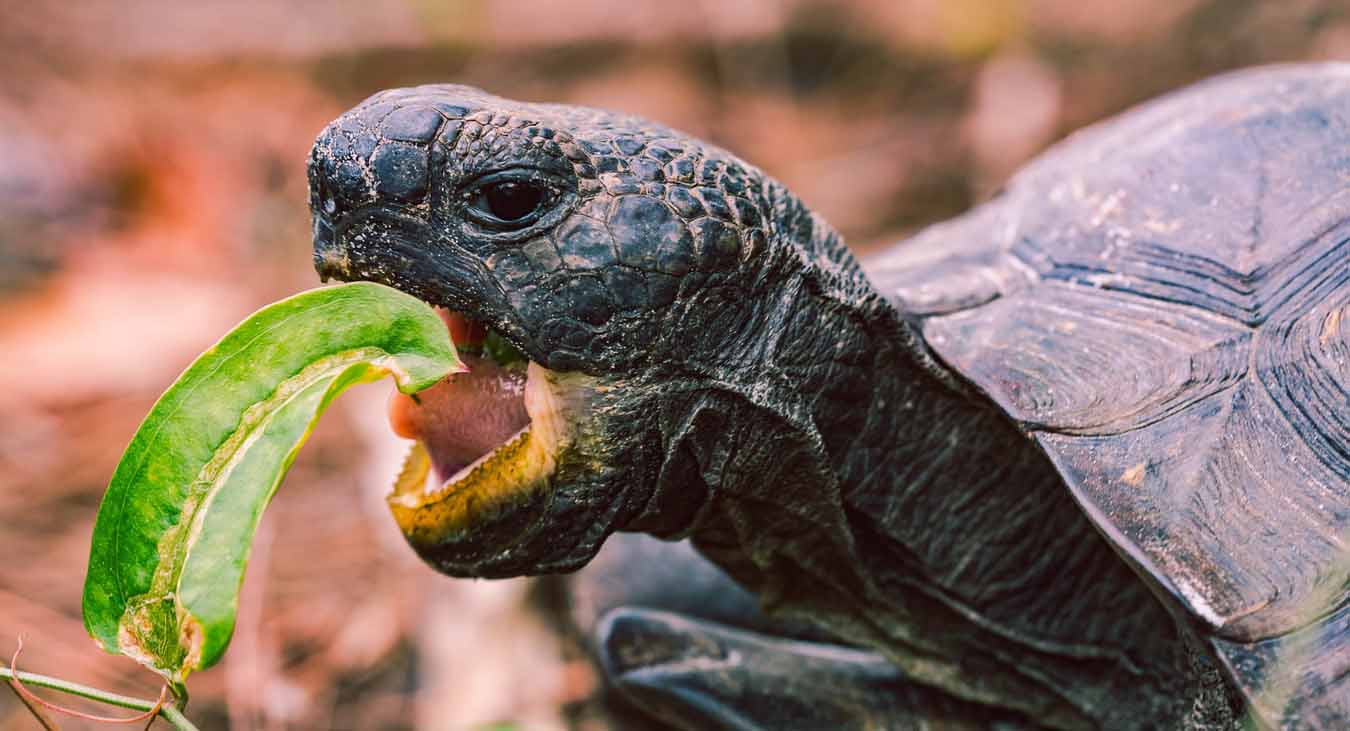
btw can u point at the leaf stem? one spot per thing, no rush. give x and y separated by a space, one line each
170 713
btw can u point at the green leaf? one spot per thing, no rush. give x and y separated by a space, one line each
176 525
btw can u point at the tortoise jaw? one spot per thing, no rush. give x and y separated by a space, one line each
491 504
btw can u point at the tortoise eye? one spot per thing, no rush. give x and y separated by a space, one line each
509 203
513 201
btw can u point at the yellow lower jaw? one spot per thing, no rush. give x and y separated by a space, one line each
432 515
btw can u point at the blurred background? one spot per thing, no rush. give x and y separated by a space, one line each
152 193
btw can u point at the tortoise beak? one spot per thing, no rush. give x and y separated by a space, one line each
328 260
374 243
382 243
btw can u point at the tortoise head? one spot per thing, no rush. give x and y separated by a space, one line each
648 278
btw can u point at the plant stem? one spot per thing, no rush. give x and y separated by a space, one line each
170 713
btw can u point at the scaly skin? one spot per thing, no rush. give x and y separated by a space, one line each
747 387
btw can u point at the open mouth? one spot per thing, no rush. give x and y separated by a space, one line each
485 440
468 415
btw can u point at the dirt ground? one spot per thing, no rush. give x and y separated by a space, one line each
152 193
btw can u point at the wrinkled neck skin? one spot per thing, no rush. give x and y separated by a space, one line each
849 479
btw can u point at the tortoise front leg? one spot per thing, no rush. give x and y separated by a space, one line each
699 675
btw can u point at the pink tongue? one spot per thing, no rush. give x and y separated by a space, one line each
465 416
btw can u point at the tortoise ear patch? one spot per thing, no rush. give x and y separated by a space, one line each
585 243
650 235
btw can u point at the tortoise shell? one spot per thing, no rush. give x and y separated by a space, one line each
1162 302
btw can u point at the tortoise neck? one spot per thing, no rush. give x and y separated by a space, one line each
900 510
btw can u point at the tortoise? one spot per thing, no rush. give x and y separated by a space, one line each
1079 458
